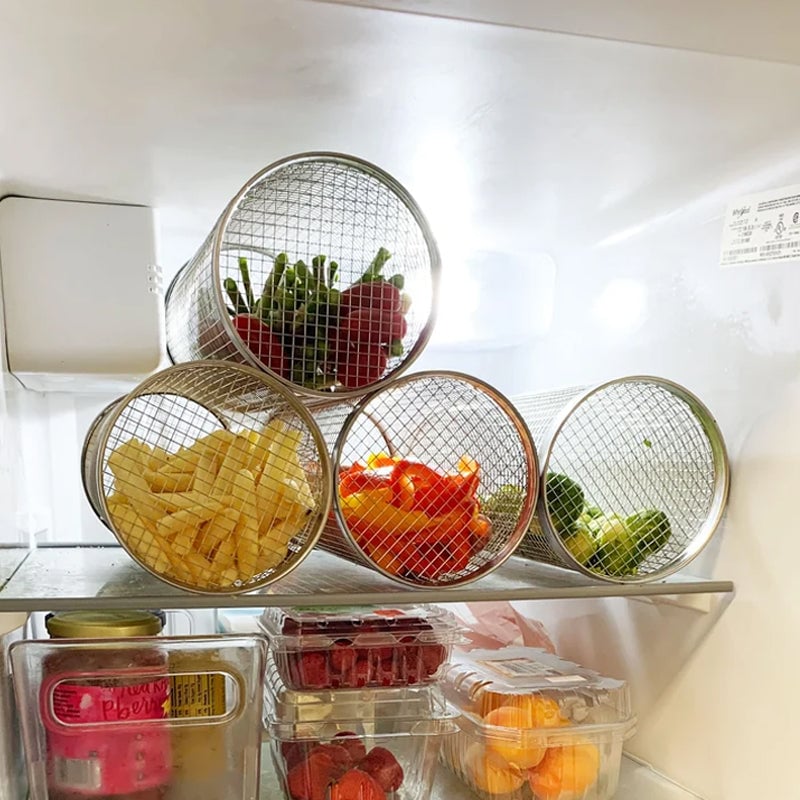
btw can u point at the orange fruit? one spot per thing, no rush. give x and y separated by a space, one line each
571 769
490 773
525 744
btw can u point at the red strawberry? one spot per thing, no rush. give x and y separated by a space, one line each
350 742
383 767
373 326
309 780
342 760
360 367
343 657
376 294
357 785
262 342
294 752
433 656
314 673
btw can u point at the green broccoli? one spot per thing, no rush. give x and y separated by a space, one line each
581 543
508 499
565 501
623 544
651 529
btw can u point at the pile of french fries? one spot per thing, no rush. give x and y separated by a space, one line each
214 514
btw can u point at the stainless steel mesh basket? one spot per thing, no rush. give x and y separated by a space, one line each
440 443
212 476
294 278
635 478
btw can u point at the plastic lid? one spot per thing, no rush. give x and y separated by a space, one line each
524 688
318 627
102 624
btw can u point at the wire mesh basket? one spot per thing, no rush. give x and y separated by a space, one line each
635 478
212 476
413 463
321 271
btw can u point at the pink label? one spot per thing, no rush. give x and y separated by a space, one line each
118 753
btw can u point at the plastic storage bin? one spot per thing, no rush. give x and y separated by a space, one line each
359 647
347 744
534 726
143 719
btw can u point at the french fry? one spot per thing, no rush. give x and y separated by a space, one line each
225 555
229 576
219 528
169 481
205 474
188 519
132 455
235 459
179 501
158 459
130 524
214 444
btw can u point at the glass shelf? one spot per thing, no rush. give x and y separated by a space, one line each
59 578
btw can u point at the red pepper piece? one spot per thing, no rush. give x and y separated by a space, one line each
360 481
262 342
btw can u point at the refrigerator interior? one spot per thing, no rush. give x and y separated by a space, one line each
575 171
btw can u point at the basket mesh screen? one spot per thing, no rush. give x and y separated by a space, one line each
635 448
435 422
306 208
210 477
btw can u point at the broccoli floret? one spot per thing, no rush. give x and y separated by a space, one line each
625 543
581 543
651 529
508 499
565 501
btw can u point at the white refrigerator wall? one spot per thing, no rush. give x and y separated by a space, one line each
580 178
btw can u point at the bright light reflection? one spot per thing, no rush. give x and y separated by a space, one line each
621 306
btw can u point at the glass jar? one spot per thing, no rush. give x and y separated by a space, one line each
99 705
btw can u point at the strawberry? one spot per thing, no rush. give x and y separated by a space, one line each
377 294
309 780
373 326
381 764
433 656
352 744
262 342
357 368
343 657
340 756
294 752
314 673
357 785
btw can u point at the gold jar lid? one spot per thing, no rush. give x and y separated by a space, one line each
102 624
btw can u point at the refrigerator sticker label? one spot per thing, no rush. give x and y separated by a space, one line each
519 667
762 228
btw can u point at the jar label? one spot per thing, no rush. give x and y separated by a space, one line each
111 758
200 695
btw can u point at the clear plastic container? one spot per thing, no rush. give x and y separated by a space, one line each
322 648
534 726
141 718
356 744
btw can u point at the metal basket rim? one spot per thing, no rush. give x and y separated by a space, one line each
722 478
408 201
109 417
531 459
